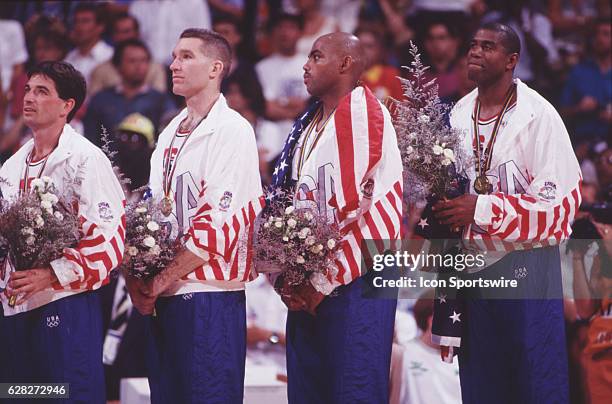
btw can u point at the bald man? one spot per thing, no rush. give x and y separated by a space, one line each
342 161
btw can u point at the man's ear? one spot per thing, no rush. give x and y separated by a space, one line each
512 61
68 105
347 64
216 69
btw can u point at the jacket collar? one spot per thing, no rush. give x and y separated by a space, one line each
523 115
210 124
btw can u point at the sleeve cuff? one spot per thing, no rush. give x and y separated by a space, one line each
66 271
482 215
321 284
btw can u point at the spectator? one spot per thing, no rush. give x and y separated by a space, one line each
135 141
586 101
315 24
266 317
593 298
379 76
13 52
244 95
125 27
538 52
441 49
108 107
161 22
427 379
86 34
241 67
281 75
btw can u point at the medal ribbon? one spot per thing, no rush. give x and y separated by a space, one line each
312 127
24 189
489 149
171 168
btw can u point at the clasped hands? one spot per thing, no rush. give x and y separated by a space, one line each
24 284
303 297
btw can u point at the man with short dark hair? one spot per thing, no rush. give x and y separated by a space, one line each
90 50
280 74
53 333
125 27
523 195
108 107
205 178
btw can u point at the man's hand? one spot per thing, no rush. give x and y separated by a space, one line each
137 288
456 212
301 297
28 282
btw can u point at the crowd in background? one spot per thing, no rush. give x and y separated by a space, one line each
124 48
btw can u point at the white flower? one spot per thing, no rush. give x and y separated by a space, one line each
155 250
46 179
37 183
446 162
424 119
285 239
30 240
58 215
148 241
316 248
39 222
46 205
132 251
153 226
278 224
289 210
309 240
300 259
437 149
47 196
140 209
27 230
304 233
331 243
308 216
266 225
449 154
409 150
292 223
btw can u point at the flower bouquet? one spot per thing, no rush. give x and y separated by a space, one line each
37 226
148 246
433 153
295 243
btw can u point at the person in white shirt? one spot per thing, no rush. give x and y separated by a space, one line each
90 50
162 21
280 74
53 332
425 378
204 175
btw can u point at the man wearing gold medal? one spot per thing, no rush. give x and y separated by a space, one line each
205 177
524 194
344 164
53 331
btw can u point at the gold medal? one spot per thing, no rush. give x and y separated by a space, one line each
166 205
482 185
